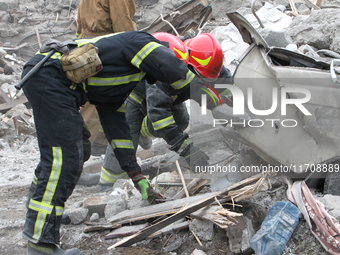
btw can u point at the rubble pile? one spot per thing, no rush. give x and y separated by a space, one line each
222 212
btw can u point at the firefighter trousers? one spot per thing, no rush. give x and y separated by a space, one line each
140 124
59 132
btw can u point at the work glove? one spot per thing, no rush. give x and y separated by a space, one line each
62 47
86 143
194 156
148 193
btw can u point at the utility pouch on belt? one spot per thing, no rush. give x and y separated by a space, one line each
81 63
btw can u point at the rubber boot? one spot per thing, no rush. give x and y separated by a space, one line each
145 142
88 179
49 249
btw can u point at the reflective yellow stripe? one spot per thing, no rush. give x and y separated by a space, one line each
163 123
106 177
121 144
35 179
136 97
186 142
56 55
44 207
144 52
96 81
40 206
174 98
54 176
39 224
144 129
121 109
203 62
82 42
182 83
59 210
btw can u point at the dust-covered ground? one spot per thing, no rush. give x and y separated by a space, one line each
19 154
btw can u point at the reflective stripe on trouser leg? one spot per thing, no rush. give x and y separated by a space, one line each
107 178
111 170
145 129
162 123
118 132
44 208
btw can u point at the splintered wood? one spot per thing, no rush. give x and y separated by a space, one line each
219 216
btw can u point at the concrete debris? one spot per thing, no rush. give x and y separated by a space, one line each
77 215
94 217
98 204
332 204
116 205
203 229
304 9
319 30
240 234
198 252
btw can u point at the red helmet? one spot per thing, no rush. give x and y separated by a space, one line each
175 44
205 55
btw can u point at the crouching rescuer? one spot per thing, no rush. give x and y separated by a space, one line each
158 110
57 90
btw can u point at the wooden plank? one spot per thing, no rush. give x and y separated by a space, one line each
12 49
196 189
292 5
125 231
190 14
155 210
170 229
100 227
193 183
187 210
319 2
312 5
38 36
182 179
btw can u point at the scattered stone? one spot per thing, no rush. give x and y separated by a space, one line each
240 234
120 183
116 205
320 29
282 2
13 177
2 53
97 204
94 217
198 252
332 204
136 202
203 229
303 9
78 215
281 8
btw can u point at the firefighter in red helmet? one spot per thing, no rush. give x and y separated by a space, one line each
158 110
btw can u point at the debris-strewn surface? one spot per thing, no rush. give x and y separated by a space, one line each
24 24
